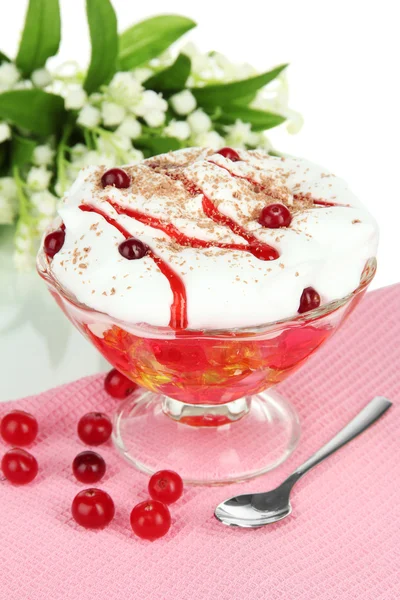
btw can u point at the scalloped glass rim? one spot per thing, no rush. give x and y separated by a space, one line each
147 330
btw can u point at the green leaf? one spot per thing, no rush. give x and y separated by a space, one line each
104 39
171 79
35 110
222 93
41 36
149 38
157 145
3 57
22 150
259 119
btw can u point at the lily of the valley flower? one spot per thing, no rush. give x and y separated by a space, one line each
178 129
183 103
240 134
210 139
89 117
199 121
43 155
125 89
142 74
112 114
41 78
130 127
9 75
152 107
44 202
76 98
38 178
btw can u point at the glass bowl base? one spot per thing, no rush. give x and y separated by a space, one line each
206 445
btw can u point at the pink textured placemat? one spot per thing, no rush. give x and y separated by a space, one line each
341 542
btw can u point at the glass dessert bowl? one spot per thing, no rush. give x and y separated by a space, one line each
204 406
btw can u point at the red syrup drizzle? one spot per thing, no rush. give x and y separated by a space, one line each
317 202
179 305
258 249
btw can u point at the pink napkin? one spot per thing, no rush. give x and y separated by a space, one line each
340 543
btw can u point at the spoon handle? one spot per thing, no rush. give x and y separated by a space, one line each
366 417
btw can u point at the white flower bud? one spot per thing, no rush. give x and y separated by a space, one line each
8 187
142 74
154 118
112 114
43 155
7 210
199 121
89 117
178 129
125 89
239 134
129 127
41 78
44 202
98 159
78 151
75 99
38 178
9 75
210 139
183 103
150 101
5 132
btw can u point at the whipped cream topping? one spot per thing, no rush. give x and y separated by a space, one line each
198 213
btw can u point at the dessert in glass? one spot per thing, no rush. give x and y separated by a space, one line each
207 277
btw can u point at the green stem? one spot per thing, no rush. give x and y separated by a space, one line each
88 139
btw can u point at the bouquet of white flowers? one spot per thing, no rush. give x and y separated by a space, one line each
137 98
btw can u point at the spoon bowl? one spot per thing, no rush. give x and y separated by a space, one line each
255 510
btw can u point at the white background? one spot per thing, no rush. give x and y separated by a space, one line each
344 79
